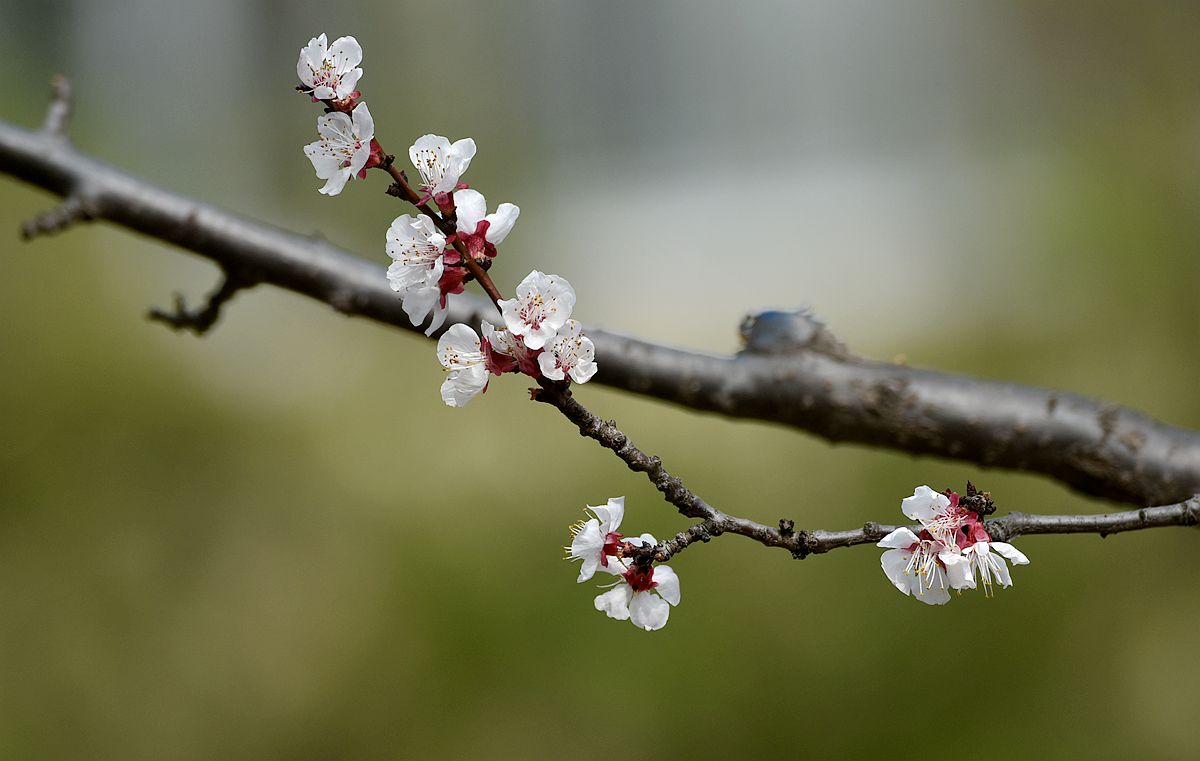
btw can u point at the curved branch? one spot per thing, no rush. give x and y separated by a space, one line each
803 543
811 383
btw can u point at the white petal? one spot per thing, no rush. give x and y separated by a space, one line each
894 563
667 583
501 222
644 540
588 544
335 183
419 301
346 53
649 611
615 602
459 347
1010 552
610 515
439 315
549 367
461 153
924 504
901 538
312 56
958 570
461 386
934 596
471 206
364 124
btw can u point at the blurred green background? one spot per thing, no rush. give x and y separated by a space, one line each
275 542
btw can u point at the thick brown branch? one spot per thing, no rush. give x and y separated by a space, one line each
1096 448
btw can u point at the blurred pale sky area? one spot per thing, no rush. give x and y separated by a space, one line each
275 542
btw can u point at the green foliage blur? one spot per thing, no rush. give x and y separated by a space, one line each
275 542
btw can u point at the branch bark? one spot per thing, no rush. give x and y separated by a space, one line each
807 381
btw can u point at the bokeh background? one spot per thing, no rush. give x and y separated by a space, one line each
275 542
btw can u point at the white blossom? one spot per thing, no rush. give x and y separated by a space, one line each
923 568
542 306
570 351
479 231
343 149
441 163
642 596
460 353
925 504
953 550
330 72
987 560
416 247
597 539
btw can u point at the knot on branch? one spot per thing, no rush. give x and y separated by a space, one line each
801 547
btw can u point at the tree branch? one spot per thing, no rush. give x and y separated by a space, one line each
808 381
200 321
801 543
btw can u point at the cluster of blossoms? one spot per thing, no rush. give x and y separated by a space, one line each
951 551
435 254
641 594
430 257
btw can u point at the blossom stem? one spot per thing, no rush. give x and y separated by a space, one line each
406 191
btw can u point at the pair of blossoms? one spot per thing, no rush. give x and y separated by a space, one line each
950 551
643 595
538 338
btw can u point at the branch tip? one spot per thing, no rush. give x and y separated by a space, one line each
58 113
75 208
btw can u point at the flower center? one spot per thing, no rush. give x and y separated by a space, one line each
640 579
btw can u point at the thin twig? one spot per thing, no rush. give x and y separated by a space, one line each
803 543
200 321
58 114
74 208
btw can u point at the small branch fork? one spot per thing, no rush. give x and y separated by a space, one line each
200 321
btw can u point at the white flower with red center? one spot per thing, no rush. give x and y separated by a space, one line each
440 164
345 149
479 231
330 72
596 540
952 548
923 566
570 352
644 595
506 353
415 246
542 306
460 353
